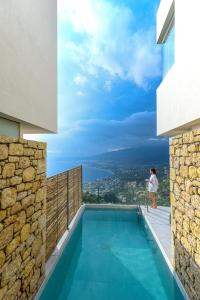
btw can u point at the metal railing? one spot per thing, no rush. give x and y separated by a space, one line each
147 202
139 211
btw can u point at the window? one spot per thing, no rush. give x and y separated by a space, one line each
9 128
168 51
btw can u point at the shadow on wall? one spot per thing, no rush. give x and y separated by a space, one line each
22 217
185 201
187 270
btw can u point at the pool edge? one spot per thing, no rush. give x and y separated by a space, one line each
54 258
168 262
111 206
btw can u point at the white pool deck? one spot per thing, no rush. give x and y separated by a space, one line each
159 222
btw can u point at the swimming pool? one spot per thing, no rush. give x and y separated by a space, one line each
111 256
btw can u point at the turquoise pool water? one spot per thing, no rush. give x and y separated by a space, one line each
111 256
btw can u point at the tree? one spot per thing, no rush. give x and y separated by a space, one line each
110 197
90 198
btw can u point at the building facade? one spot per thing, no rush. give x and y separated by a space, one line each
178 116
28 75
178 96
28 104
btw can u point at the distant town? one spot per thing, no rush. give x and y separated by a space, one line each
127 186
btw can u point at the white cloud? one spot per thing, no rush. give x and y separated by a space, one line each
108 85
32 137
116 149
80 14
109 41
80 80
94 136
80 94
158 139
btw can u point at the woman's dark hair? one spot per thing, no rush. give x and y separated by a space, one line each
153 170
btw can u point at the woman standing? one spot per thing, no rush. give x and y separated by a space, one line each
153 187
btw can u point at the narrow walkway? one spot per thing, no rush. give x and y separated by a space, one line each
159 221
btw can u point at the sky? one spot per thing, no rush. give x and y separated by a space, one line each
109 67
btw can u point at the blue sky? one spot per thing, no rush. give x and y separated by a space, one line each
108 69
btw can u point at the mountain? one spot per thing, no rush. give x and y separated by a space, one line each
135 157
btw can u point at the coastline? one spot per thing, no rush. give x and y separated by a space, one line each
90 173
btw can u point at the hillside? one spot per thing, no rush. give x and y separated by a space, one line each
135 157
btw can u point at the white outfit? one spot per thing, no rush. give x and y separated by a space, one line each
153 184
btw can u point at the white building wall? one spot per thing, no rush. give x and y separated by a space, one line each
178 96
28 75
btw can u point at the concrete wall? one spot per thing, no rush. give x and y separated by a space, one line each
178 96
22 217
28 75
185 202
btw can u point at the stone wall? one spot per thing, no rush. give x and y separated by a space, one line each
185 202
64 197
22 217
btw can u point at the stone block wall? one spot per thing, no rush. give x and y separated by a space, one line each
22 217
185 202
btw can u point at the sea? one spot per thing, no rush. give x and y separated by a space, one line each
90 173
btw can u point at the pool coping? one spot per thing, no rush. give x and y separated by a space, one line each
54 258
169 263
111 206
